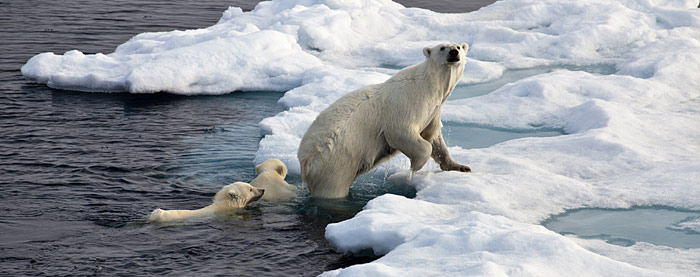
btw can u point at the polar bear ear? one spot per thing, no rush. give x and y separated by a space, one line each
281 170
426 52
258 169
465 46
234 196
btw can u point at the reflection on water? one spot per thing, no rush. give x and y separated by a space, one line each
656 225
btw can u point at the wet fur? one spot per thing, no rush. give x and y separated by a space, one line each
271 174
229 198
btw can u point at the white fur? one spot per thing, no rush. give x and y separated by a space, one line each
271 174
229 198
367 126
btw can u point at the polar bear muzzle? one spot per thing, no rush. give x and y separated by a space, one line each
453 56
258 196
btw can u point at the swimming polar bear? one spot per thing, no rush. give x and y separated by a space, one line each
370 125
229 198
271 174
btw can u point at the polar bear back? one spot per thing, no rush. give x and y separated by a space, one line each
275 187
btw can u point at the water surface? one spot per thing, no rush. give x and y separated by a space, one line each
470 136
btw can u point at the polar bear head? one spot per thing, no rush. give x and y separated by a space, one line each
238 194
273 165
447 54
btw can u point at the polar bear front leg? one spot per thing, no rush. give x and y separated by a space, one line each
443 158
412 145
433 133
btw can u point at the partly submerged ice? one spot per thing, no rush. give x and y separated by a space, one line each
630 133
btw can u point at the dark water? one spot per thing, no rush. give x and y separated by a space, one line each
447 6
81 171
626 227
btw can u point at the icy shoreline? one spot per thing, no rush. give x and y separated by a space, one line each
631 136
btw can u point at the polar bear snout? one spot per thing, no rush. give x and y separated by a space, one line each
258 195
453 56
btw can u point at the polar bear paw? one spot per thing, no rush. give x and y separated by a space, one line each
455 167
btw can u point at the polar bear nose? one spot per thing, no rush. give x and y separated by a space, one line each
453 52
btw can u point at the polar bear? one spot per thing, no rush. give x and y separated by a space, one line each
369 125
229 198
271 174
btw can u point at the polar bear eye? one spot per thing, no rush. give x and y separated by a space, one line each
457 47
442 48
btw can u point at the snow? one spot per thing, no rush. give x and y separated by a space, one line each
673 261
189 62
454 241
690 225
632 136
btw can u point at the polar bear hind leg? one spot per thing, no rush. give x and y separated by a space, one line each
324 184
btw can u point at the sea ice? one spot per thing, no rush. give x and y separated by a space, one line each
631 137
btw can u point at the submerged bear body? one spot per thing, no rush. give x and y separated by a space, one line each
271 174
230 198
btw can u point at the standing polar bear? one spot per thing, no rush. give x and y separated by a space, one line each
229 198
369 125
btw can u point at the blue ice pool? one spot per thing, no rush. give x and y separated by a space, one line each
470 136
513 75
655 225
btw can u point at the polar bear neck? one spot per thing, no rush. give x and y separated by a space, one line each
442 77
222 206
227 204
